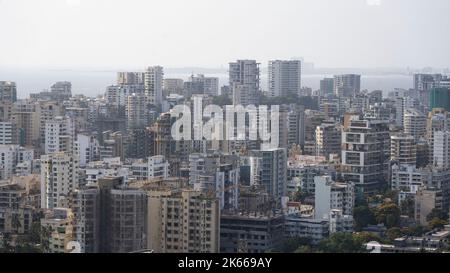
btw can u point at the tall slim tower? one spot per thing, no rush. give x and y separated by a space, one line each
8 92
423 83
59 178
244 81
136 112
327 86
59 135
365 154
414 123
269 169
154 84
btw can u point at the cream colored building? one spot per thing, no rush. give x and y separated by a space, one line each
59 223
59 178
180 220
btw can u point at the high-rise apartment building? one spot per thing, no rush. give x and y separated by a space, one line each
126 223
45 111
403 149
285 78
8 92
110 217
10 157
330 196
296 126
327 86
6 133
244 81
328 140
438 121
190 223
407 178
117 94
87 148
181 220
173 86
270 171
365 153
136 111
25 129
86 208
61 91
440 98
414 124
154 76
216 175
8 161
6 111
201 85
441 152
59 135
130 78
139 143
347 85
153 167
112 145
59 178
402 105
424 83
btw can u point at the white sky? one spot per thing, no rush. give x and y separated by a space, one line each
211 33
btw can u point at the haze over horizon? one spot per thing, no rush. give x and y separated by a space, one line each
118 34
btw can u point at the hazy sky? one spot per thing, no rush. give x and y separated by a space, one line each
211 33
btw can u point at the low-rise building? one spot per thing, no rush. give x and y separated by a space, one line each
306 227
249 233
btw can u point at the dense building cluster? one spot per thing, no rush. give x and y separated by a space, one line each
105 174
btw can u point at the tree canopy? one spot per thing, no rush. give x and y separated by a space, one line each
388 214
363 216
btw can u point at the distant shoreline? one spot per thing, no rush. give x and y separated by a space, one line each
94 82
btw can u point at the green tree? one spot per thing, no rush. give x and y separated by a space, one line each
407 207
366 237
6 243
394 233
388 214
417 230
45 238
15 223
24 245
363 217
305 249
34 235
342 243
437 223
390 194
437 213
290 245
